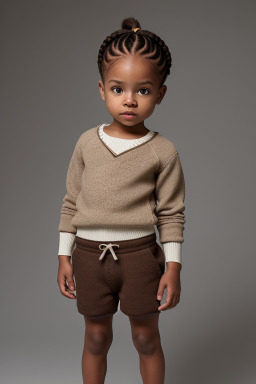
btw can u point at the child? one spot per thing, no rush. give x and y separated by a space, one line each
122 180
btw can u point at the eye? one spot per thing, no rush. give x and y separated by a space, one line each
115 88
145 89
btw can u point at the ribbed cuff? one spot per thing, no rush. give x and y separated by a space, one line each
66 243
172 251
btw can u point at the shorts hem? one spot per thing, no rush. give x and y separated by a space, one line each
143 315
98 316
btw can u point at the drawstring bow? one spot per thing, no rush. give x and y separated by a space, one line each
105 247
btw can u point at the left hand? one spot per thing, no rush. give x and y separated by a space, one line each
171 281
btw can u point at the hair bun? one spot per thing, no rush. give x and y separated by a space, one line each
130 23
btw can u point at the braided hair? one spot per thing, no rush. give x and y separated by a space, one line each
145 43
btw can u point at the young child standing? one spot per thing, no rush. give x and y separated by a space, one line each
122 180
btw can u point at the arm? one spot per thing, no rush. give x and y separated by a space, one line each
73 188
66 228
170 195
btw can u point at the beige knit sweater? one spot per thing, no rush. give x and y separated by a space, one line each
143 185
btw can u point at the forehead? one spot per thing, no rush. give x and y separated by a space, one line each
131 68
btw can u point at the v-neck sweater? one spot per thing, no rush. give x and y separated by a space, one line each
119 147
172 250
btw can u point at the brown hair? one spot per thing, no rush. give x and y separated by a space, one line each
125 41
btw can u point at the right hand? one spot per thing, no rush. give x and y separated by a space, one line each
65 277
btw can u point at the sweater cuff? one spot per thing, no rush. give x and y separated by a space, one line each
66 243
172 251
65 224
170 232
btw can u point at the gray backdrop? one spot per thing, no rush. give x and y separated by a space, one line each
49 96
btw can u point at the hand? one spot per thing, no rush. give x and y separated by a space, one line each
171 281
65 277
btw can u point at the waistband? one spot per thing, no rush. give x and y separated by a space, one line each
121 246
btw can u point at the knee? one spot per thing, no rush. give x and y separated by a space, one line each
97 342
145 343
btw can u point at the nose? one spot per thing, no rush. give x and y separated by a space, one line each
130 100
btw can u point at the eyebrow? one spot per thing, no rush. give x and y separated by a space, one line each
120 82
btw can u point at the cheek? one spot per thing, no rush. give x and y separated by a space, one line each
112 103
148 104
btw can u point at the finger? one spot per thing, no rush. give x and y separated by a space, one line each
174 302
64 289
71 284
67 293
160 291
166 304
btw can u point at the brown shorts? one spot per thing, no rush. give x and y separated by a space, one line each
130 274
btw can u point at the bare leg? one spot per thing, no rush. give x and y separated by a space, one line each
97 341
146 339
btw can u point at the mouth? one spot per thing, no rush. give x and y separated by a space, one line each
128 115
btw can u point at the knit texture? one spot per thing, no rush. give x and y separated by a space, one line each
172 250
120 144
143 185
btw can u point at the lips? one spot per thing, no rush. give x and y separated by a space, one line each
127 113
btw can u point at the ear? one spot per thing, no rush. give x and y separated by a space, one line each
162 92
101 89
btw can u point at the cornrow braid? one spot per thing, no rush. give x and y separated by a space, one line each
126 41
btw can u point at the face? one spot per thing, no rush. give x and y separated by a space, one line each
131 83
